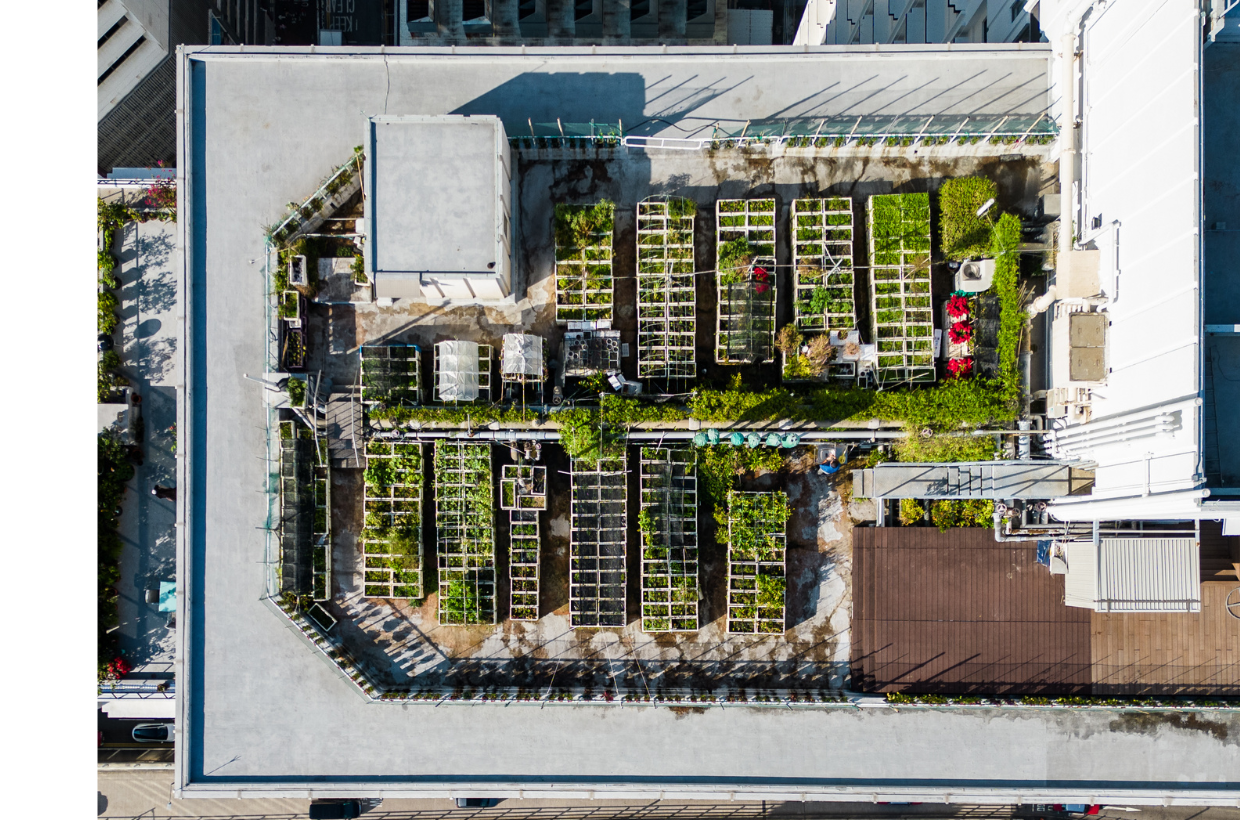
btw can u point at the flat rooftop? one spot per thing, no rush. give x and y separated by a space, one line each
262 713
433 193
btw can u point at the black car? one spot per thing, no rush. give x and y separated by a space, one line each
476 802
335 809
153 733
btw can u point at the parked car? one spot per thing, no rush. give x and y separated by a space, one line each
153 733
335 809
476 802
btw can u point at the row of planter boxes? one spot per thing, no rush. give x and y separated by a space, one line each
667 524
598 524
523 493
666 289
464 525
392 520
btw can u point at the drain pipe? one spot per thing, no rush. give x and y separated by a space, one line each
1067 141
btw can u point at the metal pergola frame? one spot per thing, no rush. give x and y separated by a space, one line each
822 256
744 572
584 282
465 532
523 493
744 319
900 282
666 292
669 539
396 503
597 590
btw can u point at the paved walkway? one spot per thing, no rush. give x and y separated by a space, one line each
147 345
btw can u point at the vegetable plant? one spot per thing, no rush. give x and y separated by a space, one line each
900 286
756 550
583 261
964 234
666 289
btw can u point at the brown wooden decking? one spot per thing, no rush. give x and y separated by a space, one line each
1169 652
957 612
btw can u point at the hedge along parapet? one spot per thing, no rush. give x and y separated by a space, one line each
523 493
597 586
757 545
584 287
745 315
900 287
822 259
392 520
465 530
669 539
666 289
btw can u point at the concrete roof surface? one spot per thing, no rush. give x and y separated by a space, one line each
261 710
433 196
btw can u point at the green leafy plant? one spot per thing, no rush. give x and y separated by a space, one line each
108 319
962 513
964 234
296 392
735 257
911 512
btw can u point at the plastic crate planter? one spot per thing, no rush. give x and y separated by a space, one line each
392 520
391 375
583 254
523 493
598 526
822 259
757 541
745 275
465 532
900 287
668 526
666 289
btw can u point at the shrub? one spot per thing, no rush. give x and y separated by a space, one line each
911 512
107 312
963 233
1004 246
977 512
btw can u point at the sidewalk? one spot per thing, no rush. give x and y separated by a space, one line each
148 343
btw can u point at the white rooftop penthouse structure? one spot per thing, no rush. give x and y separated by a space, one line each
438 204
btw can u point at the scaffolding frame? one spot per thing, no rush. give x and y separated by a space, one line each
597 590
750 561
392 515
666 291
669 539
465 532
475 377
900 293
391 375
822 257
584 286
523 493
745 319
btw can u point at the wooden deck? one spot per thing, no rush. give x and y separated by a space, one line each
1170 653
957 612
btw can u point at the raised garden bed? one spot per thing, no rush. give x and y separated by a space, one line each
822 258
666 300
465 533
757 583
597 576
321 529
584 287
391 375
745 274
523 493
392 520
297 506
668 526
900 287
462 372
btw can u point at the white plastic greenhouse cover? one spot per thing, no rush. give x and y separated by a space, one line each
522 355
458 371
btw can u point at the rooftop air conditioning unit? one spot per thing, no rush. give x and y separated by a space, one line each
975 276
297 271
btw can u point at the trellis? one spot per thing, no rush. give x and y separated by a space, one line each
745 318
597 581
392 520
391 375
321 531
757 542
822 257
900 287
462 372
464 526
666 289
584 287
523 493
668 526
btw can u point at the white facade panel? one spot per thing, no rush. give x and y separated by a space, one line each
1134 575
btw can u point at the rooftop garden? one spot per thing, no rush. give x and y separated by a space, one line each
822 256
900 287
666 288
669 539
745 277
392 520
391 376
757 585
583 257
464 523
